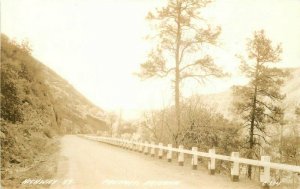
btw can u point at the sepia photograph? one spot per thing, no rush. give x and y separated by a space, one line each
150 94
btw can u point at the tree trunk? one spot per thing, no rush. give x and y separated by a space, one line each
177 100
251 144
251 131
177 71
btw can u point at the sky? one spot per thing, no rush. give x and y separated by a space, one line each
97 45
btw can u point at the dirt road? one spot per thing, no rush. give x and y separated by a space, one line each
86 164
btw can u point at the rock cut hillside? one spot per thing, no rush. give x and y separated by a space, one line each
74 113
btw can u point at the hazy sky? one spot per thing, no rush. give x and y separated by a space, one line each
97 45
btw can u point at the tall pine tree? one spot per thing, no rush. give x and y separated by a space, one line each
181 32
259 101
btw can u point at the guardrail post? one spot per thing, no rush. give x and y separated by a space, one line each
180 156
122 143
131 145
160 150
146 148
265 177
128 144
169 154
235 170
140 147
125 144
136 146
152 152
212 162
194 158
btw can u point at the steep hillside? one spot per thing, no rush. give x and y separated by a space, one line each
37 106
222 102
74 113
28 123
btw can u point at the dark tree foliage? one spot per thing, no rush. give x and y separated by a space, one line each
259 101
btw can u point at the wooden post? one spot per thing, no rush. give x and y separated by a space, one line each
212 162
140 147
160 151
146 148
132 145
235 170
136 146
169 154
180 156
129 144
152 152
123 143
194 158
265 177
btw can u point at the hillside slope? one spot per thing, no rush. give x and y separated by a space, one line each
74 113
37 106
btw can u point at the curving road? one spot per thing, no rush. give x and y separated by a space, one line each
86 164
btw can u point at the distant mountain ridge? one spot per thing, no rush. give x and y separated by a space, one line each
292 90
222 102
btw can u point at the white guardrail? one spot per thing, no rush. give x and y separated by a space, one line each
149 148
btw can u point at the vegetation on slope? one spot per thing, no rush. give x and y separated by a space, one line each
27 118
36 106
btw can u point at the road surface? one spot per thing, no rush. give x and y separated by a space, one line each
85 164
